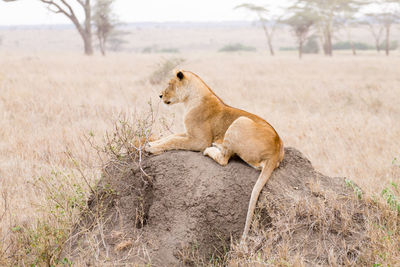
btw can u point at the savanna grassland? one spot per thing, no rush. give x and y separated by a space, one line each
342 112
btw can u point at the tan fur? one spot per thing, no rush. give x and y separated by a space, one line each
221 131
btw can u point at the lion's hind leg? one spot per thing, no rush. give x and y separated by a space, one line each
218 153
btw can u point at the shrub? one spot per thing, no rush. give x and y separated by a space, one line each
287 48
149 49
236 47
164 69
41 242
155 49
347 46
67 197
169 50
311 46
393 45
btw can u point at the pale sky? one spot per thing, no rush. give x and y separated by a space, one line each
31 12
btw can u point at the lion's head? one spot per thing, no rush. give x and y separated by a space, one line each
176 92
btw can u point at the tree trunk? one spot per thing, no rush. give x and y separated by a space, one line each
327 35
353 48
102 50
84 30
329 43
377 36
88 29
271 49
378 45
64 7
269 41
325 48
326 44
87 41
322 43
387 46
102 44
300 49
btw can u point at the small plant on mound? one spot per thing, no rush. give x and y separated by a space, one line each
390 195
128 138
237 47
121 154
191 256
355 188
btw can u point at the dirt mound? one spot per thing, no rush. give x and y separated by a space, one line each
181 208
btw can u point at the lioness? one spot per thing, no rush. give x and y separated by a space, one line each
220 131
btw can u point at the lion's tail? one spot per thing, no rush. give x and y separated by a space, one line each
266 172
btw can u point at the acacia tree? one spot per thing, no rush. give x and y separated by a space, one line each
267 20
68 9
104 21
329 13
387 19
301 22
380 22
348 21
347 25
376 29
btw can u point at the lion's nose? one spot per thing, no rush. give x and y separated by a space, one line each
160 96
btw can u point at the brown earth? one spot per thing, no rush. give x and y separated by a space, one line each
188 209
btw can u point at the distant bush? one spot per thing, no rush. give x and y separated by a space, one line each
393 45
311 46
149 49
168 50
347 46
116 41
155 49
288 48
164 69
236 47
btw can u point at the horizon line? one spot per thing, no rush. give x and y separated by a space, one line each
136 22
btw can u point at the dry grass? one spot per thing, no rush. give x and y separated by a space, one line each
342 112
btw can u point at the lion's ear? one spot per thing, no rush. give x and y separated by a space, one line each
180 75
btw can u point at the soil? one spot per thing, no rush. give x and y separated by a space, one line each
186 205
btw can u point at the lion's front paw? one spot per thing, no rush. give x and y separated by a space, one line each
152 148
